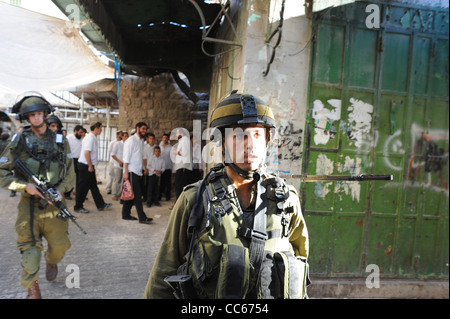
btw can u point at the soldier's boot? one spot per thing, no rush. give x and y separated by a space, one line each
51 272
34 292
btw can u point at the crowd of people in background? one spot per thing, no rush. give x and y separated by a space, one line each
149 162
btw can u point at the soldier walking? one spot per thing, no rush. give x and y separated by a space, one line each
47 155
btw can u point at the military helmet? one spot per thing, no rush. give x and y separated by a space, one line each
241 109
30 102
54 119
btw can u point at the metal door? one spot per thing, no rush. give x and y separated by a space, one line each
379 105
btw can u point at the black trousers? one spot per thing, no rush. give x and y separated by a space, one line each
87 181
165 186
136 185
153 189
183 177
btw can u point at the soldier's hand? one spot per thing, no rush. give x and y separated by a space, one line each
32 190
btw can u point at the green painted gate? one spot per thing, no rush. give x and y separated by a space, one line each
379 104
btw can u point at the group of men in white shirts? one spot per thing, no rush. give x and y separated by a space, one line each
136 158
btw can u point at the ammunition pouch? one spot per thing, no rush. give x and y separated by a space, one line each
284 276
231 258
33 165
234 273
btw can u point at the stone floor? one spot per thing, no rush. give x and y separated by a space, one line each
114 259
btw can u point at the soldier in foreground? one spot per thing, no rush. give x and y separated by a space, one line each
238 233
47 155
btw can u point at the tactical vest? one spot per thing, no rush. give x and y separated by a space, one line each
45 157
236 257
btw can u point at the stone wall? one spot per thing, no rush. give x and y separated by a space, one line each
159 102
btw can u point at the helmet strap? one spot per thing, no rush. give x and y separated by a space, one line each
38 126
242 173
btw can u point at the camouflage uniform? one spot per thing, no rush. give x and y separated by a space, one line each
229 250
48 158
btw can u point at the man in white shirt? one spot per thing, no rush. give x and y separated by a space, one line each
166 176
87 178
75 141
111 161
183 161
133 165
117 156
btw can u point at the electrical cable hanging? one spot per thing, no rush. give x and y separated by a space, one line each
278 30
205 32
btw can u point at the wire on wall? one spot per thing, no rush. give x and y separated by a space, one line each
278 31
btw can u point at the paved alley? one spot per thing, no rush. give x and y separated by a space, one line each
114 259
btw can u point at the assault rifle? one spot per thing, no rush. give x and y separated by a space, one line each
349 178
50 195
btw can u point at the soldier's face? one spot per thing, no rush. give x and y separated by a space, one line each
54 127
36 118
246 146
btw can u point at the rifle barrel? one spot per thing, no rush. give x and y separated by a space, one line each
78 225
42 188
325 178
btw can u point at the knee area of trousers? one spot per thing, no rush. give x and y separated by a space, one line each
31 259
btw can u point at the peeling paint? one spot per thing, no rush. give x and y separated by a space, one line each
324 118
324 166
360 120
388 251
353 166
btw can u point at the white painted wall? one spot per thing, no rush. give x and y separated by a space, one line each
285 87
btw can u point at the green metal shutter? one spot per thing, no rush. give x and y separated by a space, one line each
378 104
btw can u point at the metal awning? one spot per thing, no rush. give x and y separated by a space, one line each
151 36
100 94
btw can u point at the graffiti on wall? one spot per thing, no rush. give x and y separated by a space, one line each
427 158
285 152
